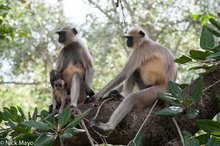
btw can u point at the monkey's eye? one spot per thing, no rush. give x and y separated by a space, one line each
58 85
60 32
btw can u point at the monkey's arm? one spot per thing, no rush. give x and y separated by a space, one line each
89 75
130 66
59 62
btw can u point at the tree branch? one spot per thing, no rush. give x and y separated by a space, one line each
157 130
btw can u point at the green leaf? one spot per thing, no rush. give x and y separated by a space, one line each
214 56
195 16
201 67
169 111
66 136
213 31
218 117
38 125
202 138
21 112
167 98
14 113
44 114
175 90
139 140
21 130
4 7
34 116
188 140
212 68
4 133
1 117
216 48
206 39
77 120
218 99
197 92
51 125
183 59
6 114
26 139
209 126
195 54
192 113
183 86
215 23
213 142
11 123
44 140
74 131
64 117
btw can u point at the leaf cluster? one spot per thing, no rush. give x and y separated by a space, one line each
37 129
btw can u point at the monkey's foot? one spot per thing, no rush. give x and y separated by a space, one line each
100 125
90 99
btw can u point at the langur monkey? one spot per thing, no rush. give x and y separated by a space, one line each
75 65
149 66
60 96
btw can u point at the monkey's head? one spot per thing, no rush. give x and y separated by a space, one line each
66 35
135 37
54 75
59 85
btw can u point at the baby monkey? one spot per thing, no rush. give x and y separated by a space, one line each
60 94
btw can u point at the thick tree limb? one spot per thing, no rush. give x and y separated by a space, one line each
157 130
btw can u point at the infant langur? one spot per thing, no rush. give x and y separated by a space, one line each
60 95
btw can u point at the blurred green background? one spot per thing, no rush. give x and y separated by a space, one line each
29 47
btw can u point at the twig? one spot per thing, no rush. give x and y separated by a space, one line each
133 140
85 128
61 142
99 133
87 133
211 85
101 107
50 115
179 131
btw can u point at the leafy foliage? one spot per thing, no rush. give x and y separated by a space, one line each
207 44
19 128
179 102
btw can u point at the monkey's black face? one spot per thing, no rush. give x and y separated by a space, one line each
129 41
59 85
62 36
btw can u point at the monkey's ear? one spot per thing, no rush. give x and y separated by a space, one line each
141 33
74 31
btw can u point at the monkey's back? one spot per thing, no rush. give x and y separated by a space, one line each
160 68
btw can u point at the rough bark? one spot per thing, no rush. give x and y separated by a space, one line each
157 130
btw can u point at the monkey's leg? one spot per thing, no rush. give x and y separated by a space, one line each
144 97
129 85
77 93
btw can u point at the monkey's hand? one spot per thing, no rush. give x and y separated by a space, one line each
114 94
90 99
90 93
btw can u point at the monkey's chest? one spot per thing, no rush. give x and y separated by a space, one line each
152 71
58 96
67 74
